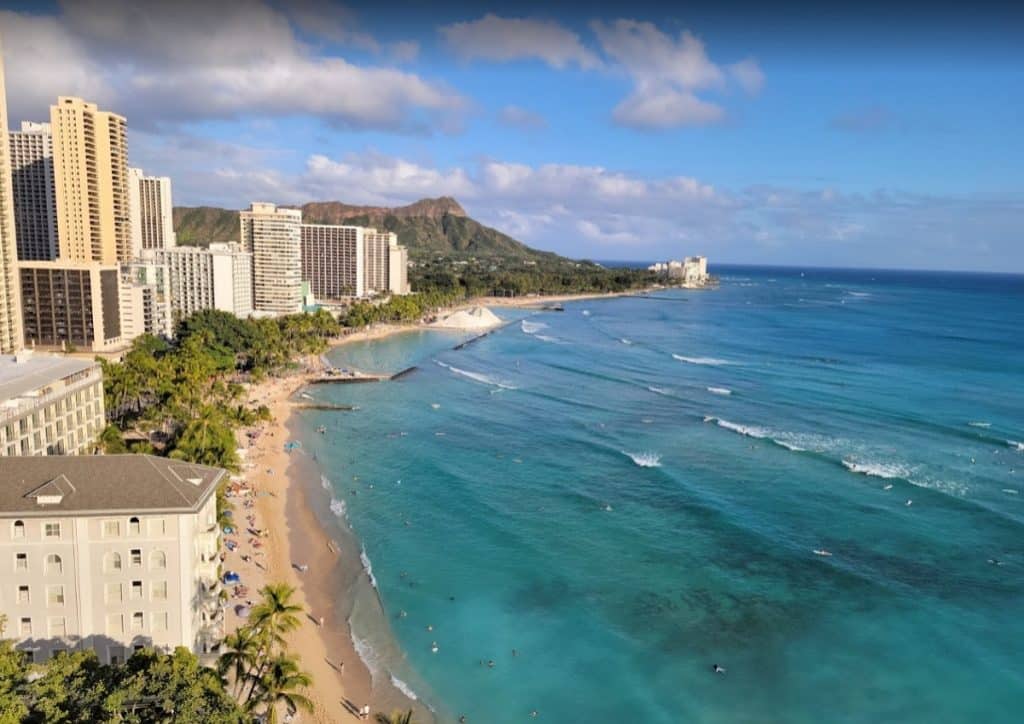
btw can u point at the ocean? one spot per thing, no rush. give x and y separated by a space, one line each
812 478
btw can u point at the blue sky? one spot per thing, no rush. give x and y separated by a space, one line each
864 136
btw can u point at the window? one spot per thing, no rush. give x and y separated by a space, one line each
134 526
55 595
136 590
113 593
51 530
21 563
19 529
115 624
58 627
23 594
115 654
136 558
157 526
137 621
25 627
159 621
111 529
158 560
112 562
54 565
159 590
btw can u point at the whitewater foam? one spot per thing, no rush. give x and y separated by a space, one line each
365 652
644 459
529 327
714 361
367 566
889 471
1018 446
659 390
749 430
403 687
338 507
980 424
477 377
719 390
625 341
325 483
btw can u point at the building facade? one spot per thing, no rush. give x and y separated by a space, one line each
218 277
35 200
274 238
398 269
10 304
90 169
150 211
111 553
49 405
332 260
145 300
71 304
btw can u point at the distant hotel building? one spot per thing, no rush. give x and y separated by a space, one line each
333 260
145 300
150 212
111 553
10 306
69 303
691 271
35 201
274 238
219 277
49 406
90 169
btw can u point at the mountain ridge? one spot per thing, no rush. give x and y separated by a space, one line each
429 227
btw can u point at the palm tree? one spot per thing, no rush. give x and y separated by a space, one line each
279 685
243 650
271 619
396 717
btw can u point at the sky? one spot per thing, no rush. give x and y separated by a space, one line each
856 134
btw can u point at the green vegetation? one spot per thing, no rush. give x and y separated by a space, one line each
397 717
185 399
150 687
262 673
408 308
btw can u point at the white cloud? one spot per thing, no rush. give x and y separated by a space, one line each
521 118
667 72
195 60
748 74
504 39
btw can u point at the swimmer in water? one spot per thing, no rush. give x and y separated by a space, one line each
718 669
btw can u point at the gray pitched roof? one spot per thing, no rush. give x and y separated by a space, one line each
84 484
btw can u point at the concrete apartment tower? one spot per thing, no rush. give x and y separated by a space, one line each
332 260
150 210
35 199
274 238
90 169
10 294
218 277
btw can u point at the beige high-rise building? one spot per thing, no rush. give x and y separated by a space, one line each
72 304
274 238
90 169
35 201
10 305
386 263
111 553
150 210
49 405
332 260
398 269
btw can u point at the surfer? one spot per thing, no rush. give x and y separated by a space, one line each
718 669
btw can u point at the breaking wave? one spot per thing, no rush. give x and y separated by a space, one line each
659 390
889 471
403 687
749 430
367 566
477 377
1018 446
714 361
365 652
338 507
325 483
719 390
644 459
529 327
626 341
980 424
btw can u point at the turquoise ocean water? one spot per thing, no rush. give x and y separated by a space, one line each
631 490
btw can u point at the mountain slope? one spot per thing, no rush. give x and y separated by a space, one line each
428 228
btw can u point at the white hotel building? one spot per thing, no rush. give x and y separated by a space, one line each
218 277
112 553
274 238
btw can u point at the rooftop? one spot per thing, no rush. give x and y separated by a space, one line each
33 372
85 484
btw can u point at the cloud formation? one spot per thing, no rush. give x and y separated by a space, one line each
504 39
194 60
